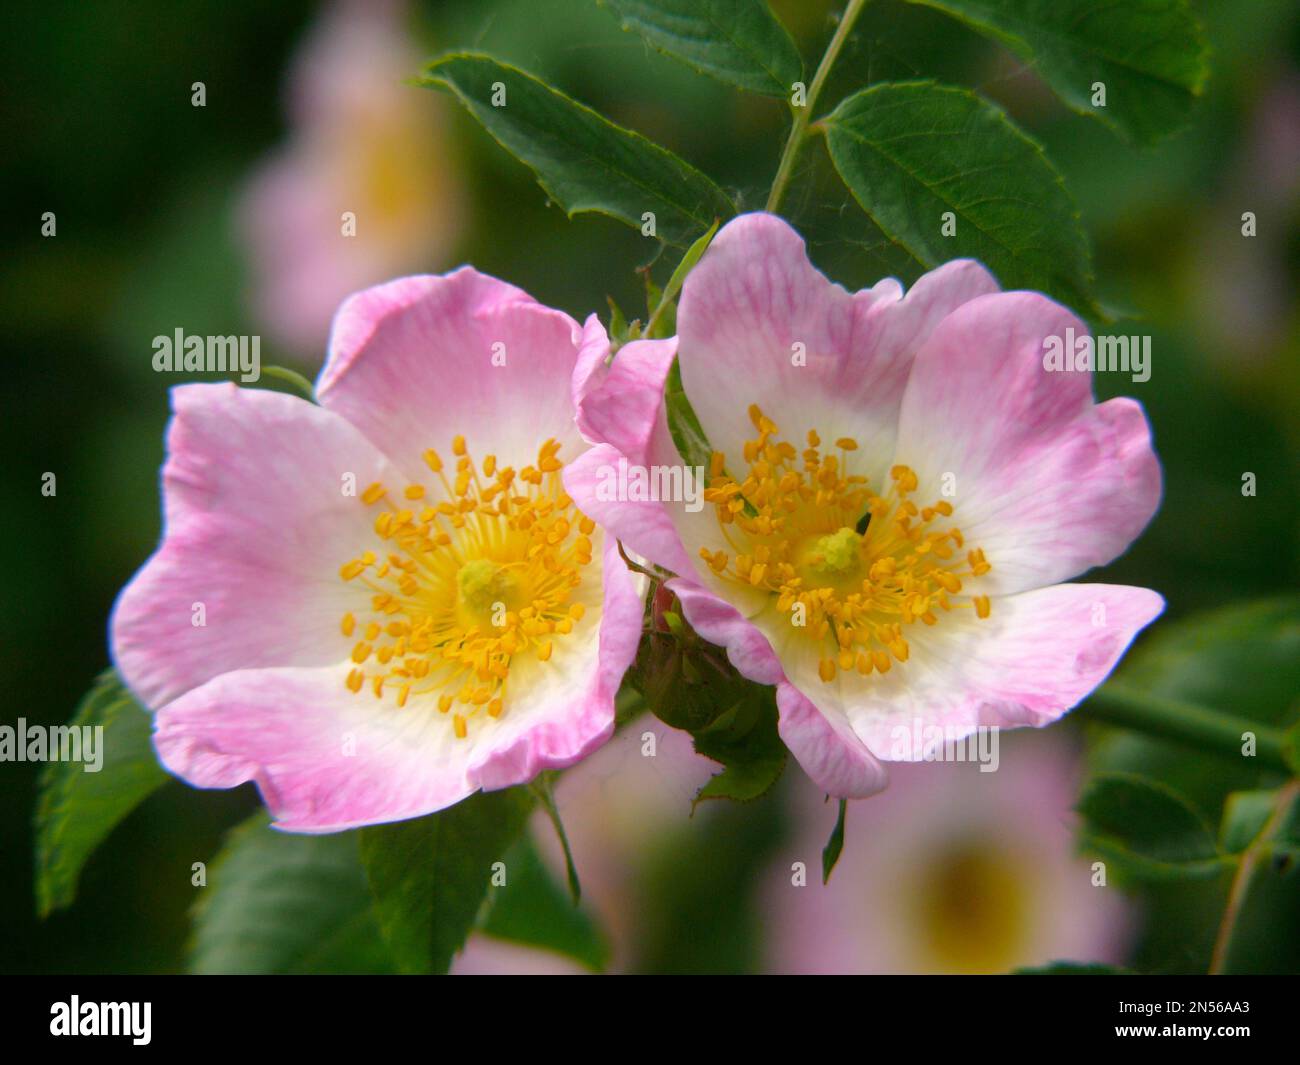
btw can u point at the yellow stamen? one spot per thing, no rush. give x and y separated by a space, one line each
861 564
484 572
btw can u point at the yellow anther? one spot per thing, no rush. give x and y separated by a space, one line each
982 606
948 581
462 583
858 563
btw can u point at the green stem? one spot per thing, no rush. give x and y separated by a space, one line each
1196 726
1246 867
541 787
802 115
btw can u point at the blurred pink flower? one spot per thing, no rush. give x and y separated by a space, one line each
900 486
949 871
485 956
361 141
379 638
619 806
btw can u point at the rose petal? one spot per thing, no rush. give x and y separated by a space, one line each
257 526
417 361
1044 481
754 296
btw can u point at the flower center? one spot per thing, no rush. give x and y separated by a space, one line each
470 583
852 567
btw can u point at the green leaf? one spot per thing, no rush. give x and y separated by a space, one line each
663 317
429 876
277 902
78 809
911 152
1150 55
684 424
582 160
835 845
1244 816
1201 659
1291 748
292 378
736 41
1148 830
534 910
744 740
619 330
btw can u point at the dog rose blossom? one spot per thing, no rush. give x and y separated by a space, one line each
368 184
897 488
375 606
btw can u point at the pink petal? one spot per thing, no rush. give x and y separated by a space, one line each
323 758
257 526
824 745
570 712
620 405
1055 645
721 623
755 295
1037 656
827 748
645 527
419 360
1046 483
589 369
626 411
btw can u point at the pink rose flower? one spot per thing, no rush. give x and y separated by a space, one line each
362 142
897 489
952 870
375 606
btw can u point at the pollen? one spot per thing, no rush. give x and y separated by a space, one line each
855 566
475 571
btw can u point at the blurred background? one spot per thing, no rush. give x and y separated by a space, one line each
223 218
